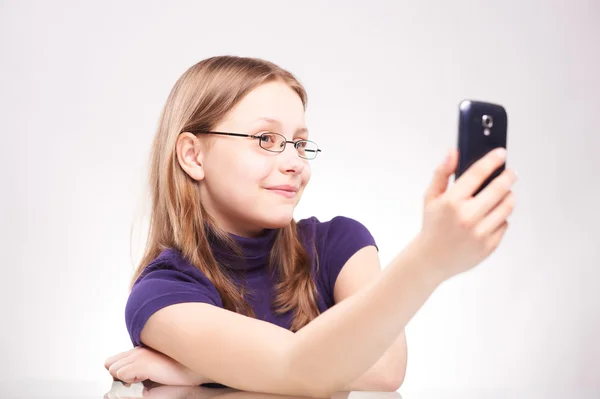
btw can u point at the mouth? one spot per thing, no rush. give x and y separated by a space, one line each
285 191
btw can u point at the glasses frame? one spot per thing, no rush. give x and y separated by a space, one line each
259 136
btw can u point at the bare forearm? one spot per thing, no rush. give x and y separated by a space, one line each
388 373
344 342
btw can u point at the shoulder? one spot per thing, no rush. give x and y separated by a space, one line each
335 242
338 229
172 268
171 262
167 280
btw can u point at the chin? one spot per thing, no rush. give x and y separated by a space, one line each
278 221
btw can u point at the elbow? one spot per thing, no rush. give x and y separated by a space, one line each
393 375
315 387
307 377
392 382
323 392
311 388
388 382
393 379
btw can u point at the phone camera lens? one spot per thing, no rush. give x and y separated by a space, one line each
487 121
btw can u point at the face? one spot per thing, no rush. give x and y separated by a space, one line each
244 187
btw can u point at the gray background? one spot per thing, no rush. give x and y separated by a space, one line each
83 84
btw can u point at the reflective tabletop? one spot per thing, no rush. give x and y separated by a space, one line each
49 389
120 390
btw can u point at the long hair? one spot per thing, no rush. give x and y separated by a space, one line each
200 98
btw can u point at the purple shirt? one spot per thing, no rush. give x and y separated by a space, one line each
170 279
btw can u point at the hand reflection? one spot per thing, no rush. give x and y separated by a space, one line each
151 390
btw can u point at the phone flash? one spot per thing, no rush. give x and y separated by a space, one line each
486 132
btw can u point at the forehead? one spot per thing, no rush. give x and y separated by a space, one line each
270 101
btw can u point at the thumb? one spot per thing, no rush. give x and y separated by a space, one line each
442 173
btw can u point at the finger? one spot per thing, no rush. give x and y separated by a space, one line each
116 366
108 362
494 193
441 175
496 237
497 216
468 183
129 374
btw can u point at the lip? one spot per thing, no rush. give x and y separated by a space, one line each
286 191
285 187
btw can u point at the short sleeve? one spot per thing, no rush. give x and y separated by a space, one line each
344 237
161 288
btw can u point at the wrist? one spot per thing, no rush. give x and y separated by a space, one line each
193 378
425 261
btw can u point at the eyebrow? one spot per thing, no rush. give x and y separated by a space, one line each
275 121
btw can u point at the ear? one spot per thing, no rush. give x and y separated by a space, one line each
190 152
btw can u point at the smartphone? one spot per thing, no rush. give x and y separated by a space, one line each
482 127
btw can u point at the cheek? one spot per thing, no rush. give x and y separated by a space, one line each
306 174
232 177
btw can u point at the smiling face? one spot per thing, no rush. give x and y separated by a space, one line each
244 187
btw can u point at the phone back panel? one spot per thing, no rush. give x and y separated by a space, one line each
482 127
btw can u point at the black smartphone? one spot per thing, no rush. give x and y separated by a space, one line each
482 127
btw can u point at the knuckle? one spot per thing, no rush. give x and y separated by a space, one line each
510 201
479 233
450 203
490 162
114 371
123 375
510 177
465 221
507 205
480 172
503 182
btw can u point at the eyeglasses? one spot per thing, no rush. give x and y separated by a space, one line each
273 142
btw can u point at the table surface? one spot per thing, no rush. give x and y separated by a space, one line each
50 389
154 391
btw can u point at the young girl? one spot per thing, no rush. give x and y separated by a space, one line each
232 290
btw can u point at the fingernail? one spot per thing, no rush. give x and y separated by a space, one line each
501 152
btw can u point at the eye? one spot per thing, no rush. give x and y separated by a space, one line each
268 137
269 140
301 144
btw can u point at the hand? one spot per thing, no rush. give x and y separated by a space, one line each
157 391
118 391
459 230
140 364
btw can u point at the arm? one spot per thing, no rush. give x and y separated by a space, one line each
387 375
323 357
389 371
340 345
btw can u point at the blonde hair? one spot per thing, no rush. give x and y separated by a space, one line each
201 97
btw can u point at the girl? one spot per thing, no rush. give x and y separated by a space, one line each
232 290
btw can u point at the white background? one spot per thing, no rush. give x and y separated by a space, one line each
82 86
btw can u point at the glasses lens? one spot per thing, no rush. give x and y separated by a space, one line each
272 142
307 149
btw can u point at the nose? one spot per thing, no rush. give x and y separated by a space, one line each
290 160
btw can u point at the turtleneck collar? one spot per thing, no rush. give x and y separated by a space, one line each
256 250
